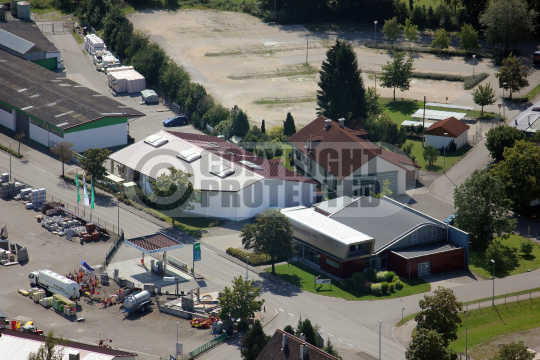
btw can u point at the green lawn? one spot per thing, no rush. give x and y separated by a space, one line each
480 264
451 157
400 110
487 323
304 276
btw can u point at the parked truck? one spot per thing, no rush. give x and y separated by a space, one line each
55 283
138 301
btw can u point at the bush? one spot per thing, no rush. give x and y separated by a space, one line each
371 275
13 152
395 279
381 276
470 81
389 276
526 248
358 280
398 285
384 287
377 288
506 258
391 287
254 259
367 287
451 146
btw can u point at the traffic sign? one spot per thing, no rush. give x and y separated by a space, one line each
197 252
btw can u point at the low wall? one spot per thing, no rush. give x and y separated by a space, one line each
181 313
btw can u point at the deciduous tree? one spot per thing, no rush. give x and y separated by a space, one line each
513 73
372 101
271 234
484 95
398 73
507 22
19 138
289 129
329 348
505 257
407 149
411 31
240 124
514 351
441 40
468 37
427 345
500 138
342 92
430 155
52 349
240 302
172 191
392 29
254 341
382 129
92 162
483 209
150 61
64 150
520 173
440 313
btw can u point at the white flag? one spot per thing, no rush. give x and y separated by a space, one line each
86 199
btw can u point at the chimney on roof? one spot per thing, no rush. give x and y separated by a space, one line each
342 123
303 351
284 342
327 123
302 336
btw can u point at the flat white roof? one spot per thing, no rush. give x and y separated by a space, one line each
528 120
438 115
416 123
450 106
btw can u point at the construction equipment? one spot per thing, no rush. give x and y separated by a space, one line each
55 283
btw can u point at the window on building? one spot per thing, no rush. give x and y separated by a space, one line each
414 237
332 263
383 261
352 248
335 184
310 166
298 155
434 233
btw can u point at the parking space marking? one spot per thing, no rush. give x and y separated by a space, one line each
291 314
340 340
281 310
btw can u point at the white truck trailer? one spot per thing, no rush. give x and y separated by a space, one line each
55 283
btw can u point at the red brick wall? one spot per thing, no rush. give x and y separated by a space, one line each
352 266
345 270
441 262
329 268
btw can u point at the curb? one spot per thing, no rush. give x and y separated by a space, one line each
266 323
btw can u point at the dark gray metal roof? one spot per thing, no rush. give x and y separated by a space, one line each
54 99
385 220
333 205
426 249
15 43
29 31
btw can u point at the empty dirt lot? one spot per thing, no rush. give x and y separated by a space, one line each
261 68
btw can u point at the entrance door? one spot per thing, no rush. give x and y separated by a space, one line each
424 268
23 124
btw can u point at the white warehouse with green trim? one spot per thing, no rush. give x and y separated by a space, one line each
50 109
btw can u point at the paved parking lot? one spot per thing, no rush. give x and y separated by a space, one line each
149 334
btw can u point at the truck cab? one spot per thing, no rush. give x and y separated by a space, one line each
33 278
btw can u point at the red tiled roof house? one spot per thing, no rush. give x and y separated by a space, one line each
284 346
455 130
347 164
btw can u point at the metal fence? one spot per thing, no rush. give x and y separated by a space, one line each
114 248
57 27
207 346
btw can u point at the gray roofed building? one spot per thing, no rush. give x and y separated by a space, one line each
14 44
528 121
29 31
384 219
331 206
426 249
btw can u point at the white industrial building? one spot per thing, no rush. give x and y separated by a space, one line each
49 109
231 183
454 129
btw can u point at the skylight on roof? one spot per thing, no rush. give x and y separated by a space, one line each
155 140
189 155
221 171
214 144
230 153
251 165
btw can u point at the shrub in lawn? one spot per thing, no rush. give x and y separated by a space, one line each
384 287
254 259
371 275
389 276
358 280
395 278
376 288
471 81
381 276
399 285
391 287
526 248
367 287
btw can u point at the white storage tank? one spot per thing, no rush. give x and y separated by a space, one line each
2 12
13 5
23 10
134 301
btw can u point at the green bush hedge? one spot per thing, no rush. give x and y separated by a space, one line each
384 287
254 259
371 275
377 288
391 287
358 280
13 152
367 287
469 81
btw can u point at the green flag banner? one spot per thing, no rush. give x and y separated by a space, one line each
77 184
92 193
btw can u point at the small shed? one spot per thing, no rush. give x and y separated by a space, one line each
150 96
455 130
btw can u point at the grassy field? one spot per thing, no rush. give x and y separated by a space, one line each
479 263
304 276
487 323
400 111
451 157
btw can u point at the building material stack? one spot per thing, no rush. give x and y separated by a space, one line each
92 44
126 79
9 190
38 197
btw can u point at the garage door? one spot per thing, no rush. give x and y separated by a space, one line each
424 268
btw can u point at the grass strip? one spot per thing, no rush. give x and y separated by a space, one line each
288 71
405 320
509 295
285 101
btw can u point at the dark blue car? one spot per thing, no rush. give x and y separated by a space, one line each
176 120
450 220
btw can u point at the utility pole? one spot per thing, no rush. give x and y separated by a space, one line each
424 123
307 47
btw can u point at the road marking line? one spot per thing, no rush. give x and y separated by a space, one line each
340 340
281 310
349 345
291 314
330 334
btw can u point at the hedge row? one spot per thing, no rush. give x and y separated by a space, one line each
13 152
468 81
374 282
254 259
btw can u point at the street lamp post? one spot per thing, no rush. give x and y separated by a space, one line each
375 33
10 160
444 154
118 203
380 324
175 349
402 310
474 59
493 277
504 115
307 47
466 333
247 258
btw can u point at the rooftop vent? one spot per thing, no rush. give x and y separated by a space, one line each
230 153
189 155
155 140
342 123
214 144
251 165
221 171
327 123
536 109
